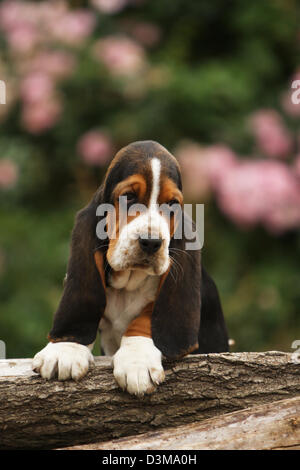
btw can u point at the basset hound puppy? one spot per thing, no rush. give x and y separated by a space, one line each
139 285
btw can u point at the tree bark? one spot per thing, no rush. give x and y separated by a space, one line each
272 426
40 414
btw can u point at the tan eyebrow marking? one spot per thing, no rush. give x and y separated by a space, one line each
169 191
135 183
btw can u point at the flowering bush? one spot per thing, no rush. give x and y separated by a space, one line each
250 191
121 56
45 42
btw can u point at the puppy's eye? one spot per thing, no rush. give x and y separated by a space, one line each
173 202
130 195
131 198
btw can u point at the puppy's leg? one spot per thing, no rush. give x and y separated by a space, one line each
66 360
137 365
138 362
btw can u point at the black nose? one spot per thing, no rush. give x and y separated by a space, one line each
150 245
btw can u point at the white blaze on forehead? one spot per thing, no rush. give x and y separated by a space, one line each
153 219
155 166
150 223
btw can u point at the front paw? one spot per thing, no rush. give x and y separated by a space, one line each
137 365
64 360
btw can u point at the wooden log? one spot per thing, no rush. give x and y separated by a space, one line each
39 414
272 426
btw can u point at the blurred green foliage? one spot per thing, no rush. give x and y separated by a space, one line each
215 62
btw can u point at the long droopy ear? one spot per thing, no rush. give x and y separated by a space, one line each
83 300
176 312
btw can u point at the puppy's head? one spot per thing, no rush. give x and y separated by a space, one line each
143 186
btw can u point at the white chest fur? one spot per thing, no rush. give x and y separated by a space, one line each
125 299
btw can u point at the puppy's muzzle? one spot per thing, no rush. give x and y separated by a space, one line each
150 245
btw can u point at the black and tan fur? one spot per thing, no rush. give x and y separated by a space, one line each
186 314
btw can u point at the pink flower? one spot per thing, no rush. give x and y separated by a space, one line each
220 160
271 135
57 64
73 26
95 148
8 173
239 194
203 167
121 55
46 13
193 168
23 38
146 33
41 115
282 198
19 21
109 6
11 11
35 87
263 192
285 216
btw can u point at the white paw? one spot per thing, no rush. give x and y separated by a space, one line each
137 365
64 360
